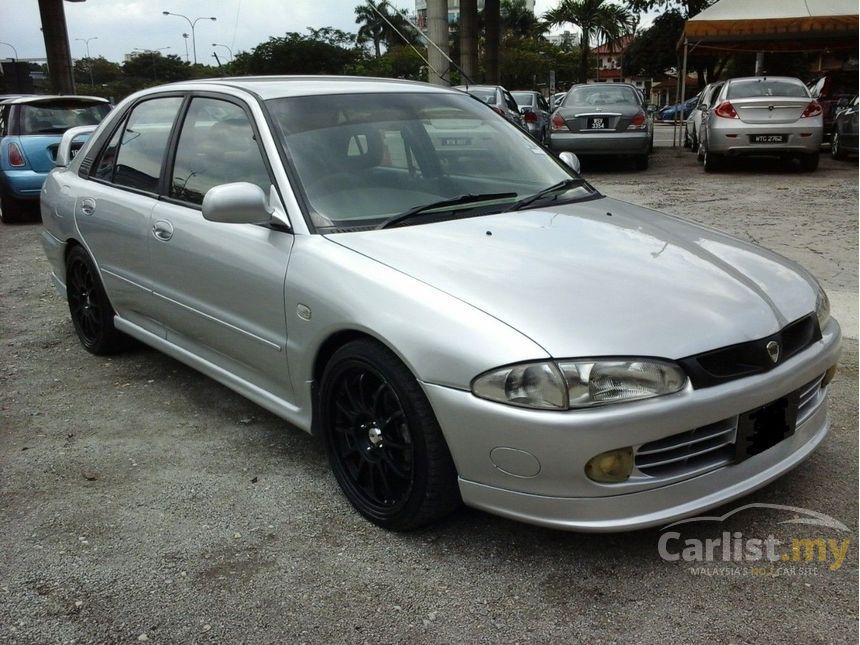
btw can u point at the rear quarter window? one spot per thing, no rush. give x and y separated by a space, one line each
57 117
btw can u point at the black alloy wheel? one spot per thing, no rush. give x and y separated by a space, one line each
383 442
91 311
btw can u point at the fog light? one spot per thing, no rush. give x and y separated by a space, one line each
828 376
612 466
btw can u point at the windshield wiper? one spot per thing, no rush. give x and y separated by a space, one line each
456 201
558 188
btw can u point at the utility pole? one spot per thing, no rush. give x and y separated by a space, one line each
437 23
469 38
492 28
56 37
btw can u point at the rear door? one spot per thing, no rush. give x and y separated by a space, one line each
113 207
219 288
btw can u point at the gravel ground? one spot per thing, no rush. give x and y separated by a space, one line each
142 501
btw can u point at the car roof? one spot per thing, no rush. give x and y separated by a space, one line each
37 98
270 87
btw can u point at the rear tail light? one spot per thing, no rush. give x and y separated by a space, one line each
813 109
726 110
558 123
638 122
16 157
530 117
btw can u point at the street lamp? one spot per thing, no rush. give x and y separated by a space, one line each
193 23
225 47
185 40
13 49
86 42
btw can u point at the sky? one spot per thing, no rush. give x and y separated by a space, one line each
120 26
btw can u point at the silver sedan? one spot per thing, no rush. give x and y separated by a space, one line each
455 326
761 116
604 119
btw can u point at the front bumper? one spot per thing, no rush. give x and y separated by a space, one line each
24 184
730 137
635 142
548 450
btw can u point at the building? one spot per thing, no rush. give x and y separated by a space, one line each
608 69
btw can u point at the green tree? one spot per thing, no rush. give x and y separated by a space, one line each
654 50
518 20
153 65
687 8
596 20
295 53
100 70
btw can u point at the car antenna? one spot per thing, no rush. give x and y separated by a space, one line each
376 10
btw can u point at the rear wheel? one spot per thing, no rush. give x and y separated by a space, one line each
712 162
640 162
11 209
383 441
836 149
809 163
92 314
700 152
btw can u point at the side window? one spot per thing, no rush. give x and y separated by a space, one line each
142 144
217 146
542 104
4 119
107 159
512 104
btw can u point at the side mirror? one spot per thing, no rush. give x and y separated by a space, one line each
570 160
236 203
651 107
67 150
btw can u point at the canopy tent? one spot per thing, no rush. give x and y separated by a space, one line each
775 25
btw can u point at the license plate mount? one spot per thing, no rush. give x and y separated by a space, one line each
766 426
597 123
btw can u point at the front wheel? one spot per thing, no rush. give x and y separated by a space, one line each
383 442
836 149
11 209
712 162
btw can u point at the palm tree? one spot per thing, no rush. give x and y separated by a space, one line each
596 19
518 20
375 29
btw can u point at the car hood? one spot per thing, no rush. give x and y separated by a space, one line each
601 278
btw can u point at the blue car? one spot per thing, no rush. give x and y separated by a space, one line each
30 131
668 112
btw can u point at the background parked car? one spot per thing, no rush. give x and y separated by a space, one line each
762 115
30 131
668 112
536 113
693 124
844 135
498 98
604 119
831 89
556 99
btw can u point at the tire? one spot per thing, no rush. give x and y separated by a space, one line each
11 209
700 153
809 163
384 444
836 149
91 311
640 162
694 143
712 162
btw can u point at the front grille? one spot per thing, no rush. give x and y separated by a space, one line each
745 359
694 452
691 452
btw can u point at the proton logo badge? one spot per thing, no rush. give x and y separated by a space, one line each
773 350
770 107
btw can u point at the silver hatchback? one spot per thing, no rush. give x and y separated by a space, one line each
454 325
761 115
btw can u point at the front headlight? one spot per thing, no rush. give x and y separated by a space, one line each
550 385
822 308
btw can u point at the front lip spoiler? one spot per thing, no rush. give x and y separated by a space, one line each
652 507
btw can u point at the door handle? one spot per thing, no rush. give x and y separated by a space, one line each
88 206
162 230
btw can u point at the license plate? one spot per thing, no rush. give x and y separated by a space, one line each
452 141
597 123
767 138
766 426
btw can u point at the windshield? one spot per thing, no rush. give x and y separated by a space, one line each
487 96
363 158
763 87
601 95
57 117
524 98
